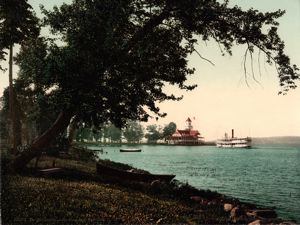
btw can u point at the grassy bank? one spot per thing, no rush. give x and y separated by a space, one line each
36 200
29 198
78 195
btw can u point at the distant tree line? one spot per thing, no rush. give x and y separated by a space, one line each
35 115
134 132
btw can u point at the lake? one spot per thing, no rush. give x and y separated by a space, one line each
265 175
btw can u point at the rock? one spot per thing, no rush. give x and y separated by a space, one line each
256 222
155 183
196 198
228 207
236 212
199 199
287 223
158 221
213 202
262 213
237 215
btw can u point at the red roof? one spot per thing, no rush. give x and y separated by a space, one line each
190 134
188 119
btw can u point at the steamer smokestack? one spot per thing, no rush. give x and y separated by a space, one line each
232 133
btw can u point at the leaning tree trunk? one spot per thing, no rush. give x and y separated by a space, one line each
43 141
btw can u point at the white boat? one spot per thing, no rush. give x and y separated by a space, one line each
233 142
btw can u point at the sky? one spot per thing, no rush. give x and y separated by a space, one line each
222 101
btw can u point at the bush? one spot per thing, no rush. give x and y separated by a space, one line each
83 154
121 166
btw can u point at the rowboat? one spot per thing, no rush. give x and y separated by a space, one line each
131 176
130 150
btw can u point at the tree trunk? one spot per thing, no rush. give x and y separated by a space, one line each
15 124
11 100
43 141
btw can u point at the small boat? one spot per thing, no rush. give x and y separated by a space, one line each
131 176
130 150
234 142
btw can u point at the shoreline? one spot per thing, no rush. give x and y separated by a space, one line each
214 207
102 144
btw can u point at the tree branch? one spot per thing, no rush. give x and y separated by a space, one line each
147 28
245 67
203 57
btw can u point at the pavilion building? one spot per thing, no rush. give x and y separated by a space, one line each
187 136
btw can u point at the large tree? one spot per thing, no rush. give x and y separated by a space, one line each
18 23
114 133
154 133
133 132
169 129
118 55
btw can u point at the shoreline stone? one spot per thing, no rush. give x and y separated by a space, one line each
228 207
262 213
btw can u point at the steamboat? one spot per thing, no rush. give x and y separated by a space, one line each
233 142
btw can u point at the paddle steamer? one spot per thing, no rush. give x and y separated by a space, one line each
233 142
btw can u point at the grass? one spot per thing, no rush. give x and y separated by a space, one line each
56 201
79 196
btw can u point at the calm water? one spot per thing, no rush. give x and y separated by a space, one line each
265 175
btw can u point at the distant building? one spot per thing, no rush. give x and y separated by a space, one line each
187 136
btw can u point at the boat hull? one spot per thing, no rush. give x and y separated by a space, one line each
233 146
131 176
130 150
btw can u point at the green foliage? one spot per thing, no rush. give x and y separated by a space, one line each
35 113
60 144
133 132
114 133
153 133
18 23
83 133
33 103
119 55
83 154
107 132
97 134
169 130
34 87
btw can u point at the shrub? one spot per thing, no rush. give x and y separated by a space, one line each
83 154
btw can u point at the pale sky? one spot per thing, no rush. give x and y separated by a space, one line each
222 100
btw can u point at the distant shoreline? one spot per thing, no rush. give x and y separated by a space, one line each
293 141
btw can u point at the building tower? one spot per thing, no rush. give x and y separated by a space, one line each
189 124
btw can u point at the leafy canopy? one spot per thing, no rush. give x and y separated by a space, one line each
133 132
117 56
169 129
18 22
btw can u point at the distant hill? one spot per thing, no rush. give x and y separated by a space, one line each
284 140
